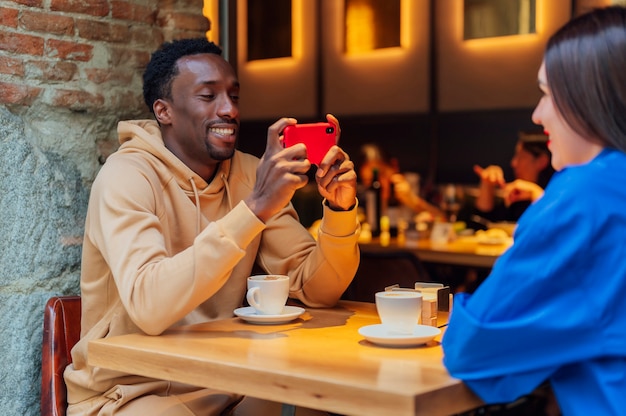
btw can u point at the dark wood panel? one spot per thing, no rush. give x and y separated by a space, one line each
481 137
463 139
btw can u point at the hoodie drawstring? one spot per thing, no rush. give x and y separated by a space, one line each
197 196
230 202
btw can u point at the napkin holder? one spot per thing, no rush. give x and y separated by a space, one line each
435 302
441 295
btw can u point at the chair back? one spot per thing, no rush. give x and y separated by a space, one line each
380 268
61 330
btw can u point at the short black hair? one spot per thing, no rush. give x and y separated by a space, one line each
162 68
534 143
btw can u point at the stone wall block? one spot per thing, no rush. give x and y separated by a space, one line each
36 245
40 250
70 70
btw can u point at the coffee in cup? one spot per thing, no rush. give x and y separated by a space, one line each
399 311
268 294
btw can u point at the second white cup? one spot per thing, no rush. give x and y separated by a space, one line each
399 311
268 294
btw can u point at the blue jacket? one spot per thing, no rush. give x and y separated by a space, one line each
554 306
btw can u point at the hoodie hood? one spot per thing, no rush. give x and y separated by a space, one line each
144 136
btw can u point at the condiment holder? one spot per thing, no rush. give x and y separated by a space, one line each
436 301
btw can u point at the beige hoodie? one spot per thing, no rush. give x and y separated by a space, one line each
163 248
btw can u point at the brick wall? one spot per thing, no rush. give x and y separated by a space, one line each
69 71
83 55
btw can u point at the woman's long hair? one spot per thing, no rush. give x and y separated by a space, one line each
585 64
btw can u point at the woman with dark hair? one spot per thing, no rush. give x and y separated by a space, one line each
552 308
498 200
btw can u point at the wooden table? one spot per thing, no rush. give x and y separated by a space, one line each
318 361
464 251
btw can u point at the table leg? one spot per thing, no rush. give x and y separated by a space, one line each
288 410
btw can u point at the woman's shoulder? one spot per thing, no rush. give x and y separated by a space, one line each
598 187
606 168
612 159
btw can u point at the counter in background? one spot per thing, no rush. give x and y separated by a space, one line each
463 251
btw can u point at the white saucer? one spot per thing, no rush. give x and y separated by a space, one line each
378 334
249 314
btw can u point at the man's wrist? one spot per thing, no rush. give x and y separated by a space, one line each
338 208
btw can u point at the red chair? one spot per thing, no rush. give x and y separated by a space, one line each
61 330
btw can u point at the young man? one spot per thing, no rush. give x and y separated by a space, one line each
178 217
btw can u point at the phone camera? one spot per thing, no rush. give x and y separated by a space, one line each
329 130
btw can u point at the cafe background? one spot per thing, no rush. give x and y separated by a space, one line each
69 70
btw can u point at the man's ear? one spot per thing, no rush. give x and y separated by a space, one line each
162 111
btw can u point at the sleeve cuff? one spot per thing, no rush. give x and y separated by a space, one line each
339 223
241 225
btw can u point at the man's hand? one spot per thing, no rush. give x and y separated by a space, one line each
335 176
280 173
492 175
521 190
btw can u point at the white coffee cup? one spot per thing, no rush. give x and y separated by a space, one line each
268 293
399 311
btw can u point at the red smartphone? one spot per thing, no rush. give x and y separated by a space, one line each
318 138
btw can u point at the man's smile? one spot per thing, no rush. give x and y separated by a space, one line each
222 131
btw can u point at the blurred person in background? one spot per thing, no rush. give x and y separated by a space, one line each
406 196
373 157
532 170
